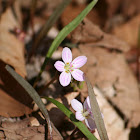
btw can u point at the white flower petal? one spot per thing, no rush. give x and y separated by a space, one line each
78 75
79 61
65 78
90 123
76 105
79 116
67 55
59 65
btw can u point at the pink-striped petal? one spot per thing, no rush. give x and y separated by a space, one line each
59 65
67 55
65 78
79 61
76 105
90 123
79 116
78 75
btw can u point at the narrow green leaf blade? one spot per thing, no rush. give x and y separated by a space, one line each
69 28
71 116
63 33
31 91
96 112
49 23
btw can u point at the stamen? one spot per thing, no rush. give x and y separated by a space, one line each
85 114
68 67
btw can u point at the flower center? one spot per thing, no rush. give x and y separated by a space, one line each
68 67
86 114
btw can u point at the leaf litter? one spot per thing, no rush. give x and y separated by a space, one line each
107 68
12 96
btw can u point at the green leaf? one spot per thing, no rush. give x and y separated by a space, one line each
63 33
96 112
71 116
31 91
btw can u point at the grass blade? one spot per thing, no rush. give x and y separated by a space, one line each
49 23
31 91
71 116
63 33
96 111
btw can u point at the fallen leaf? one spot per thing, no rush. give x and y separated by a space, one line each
92 35
14 101
128 31
2 136
72 11
130 8
22 130
11 49
127 8
112 6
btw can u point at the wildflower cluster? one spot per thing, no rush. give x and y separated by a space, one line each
83 112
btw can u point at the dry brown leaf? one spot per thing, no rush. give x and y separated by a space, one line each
127 8
92 35
11 49
129 31
130 8
72 11
22 130
2 136
13 99
110 70
112 6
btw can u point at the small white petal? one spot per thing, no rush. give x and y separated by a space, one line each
79 116
76 105
79 61
90 123
78 75
65 78
67 55
59 65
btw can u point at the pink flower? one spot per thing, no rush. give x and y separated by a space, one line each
70 68
83 112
